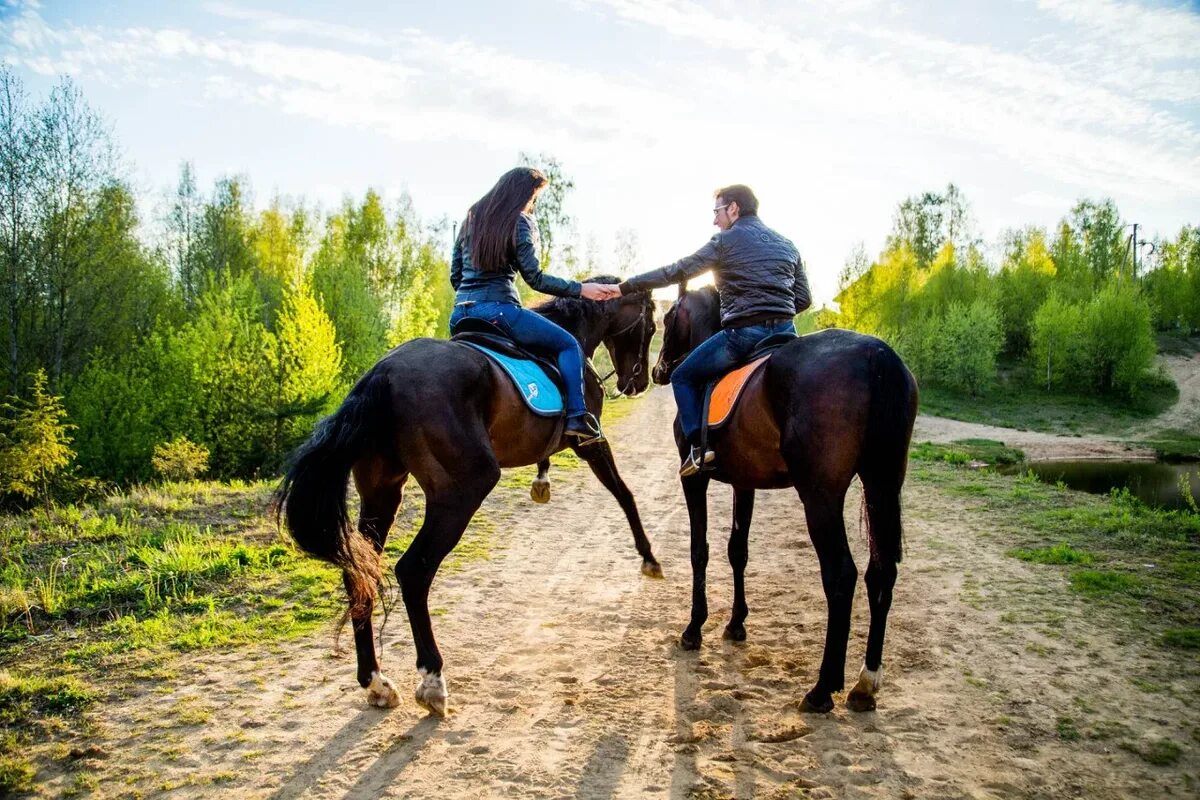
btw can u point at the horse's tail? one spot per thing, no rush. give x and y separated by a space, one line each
890 418
312 496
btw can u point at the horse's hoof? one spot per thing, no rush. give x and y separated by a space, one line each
862 696
860 701
817 704
735 633
690 641
382 692
539 491
431 693
651 569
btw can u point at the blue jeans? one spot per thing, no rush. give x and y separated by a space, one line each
715 356
533 331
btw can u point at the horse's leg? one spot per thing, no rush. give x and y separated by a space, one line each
449 506
540 490
883 516
739 554
380 495
839 575
600 458
695 492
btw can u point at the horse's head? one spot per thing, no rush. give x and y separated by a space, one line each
691 319
627 339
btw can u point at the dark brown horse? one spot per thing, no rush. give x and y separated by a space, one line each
826 407
443 413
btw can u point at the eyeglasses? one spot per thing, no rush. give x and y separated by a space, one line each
717 210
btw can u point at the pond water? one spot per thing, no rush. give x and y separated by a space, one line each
1153 483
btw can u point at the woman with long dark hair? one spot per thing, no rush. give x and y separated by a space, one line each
498 239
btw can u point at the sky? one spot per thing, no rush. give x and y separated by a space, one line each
833 111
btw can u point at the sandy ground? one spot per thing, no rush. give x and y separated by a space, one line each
1184 415
566 680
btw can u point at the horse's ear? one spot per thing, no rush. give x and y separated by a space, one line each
682 287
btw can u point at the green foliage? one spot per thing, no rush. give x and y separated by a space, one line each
1173 287
963 451
35 443
228 348
970 340
1056 343
1022 286
16 775
1119 344
179 459
308 366
126 404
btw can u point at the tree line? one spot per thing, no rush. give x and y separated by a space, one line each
1064 304
225 336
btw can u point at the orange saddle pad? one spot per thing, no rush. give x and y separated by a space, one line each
728 389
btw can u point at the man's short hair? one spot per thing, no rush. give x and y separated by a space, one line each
742 195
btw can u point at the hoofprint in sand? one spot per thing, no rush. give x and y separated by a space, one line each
566 679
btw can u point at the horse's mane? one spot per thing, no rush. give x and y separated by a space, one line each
575 311
710 301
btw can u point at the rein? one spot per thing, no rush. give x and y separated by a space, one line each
640 322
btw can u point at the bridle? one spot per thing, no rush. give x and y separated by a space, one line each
639 323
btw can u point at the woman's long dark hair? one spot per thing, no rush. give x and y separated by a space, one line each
492 222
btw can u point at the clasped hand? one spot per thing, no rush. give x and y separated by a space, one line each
599 291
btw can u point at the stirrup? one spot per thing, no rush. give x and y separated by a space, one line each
693 462
590 434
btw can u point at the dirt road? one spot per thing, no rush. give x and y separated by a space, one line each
566 680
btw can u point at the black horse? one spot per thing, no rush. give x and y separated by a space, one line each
826 407
443 413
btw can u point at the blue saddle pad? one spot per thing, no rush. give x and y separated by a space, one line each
532 382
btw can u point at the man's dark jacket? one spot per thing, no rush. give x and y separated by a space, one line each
759 274
480 286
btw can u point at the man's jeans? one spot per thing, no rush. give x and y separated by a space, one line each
714 357
535 332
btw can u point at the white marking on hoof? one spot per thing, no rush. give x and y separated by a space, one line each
869 681
431 692
382 692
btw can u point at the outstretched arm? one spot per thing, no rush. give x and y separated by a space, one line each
702 260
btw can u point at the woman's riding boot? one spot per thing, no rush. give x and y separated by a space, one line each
583 429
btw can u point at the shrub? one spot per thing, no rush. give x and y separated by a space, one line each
970 341
1118 340
179 459
1055 342
35 443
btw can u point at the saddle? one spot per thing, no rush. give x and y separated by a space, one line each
535 377
722 395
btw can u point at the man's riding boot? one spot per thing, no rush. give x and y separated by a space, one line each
697 459
583 429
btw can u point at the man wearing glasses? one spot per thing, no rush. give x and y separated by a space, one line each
761 282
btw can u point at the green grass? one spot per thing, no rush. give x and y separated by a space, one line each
114 593
1183 638
1139 562
1173 445
1101 583
1057 554
1013 402
1160 752
964 451
32 707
